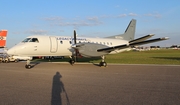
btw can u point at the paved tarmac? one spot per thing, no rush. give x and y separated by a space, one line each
88 84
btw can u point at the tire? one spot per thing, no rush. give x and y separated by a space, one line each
28 66
16 60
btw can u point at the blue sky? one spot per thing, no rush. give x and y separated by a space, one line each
92 18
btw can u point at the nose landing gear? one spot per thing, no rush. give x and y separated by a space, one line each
28 66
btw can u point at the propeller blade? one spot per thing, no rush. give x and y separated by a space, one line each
75 57
74 36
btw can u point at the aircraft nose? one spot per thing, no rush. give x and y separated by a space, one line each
11 51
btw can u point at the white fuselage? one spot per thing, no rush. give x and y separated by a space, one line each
58 45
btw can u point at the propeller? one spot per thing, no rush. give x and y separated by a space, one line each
74 36
76 52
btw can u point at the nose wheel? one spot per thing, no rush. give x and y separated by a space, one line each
28 66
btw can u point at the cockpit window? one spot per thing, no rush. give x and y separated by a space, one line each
26 40
30 40
34 40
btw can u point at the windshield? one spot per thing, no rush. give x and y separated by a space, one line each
26 40
34 40
30 40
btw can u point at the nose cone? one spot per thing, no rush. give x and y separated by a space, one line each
11 51
17 50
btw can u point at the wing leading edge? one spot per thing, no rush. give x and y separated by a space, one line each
131 43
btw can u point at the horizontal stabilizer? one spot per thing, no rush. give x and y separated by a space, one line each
149 41
109 49
141 38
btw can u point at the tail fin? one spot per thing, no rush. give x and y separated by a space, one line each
3 34
129 33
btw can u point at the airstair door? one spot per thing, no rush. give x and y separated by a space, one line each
53 44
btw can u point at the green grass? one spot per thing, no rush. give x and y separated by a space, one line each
166 56
147 57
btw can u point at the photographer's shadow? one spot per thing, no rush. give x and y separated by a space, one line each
57 89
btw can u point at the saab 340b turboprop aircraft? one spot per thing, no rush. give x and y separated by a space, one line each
88 47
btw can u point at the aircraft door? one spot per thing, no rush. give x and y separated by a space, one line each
53 44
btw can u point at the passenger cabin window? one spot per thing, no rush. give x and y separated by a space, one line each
70 42
61 42
34 40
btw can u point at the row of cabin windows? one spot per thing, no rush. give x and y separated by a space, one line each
105 43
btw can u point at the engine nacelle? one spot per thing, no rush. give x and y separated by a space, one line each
90 49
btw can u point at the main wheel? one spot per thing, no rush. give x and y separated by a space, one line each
103 64
27 66
71 62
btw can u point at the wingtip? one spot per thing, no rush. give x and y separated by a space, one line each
151 34
165 38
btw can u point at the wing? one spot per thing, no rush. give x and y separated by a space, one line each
134 43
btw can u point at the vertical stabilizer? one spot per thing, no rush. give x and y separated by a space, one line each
129 33
3 34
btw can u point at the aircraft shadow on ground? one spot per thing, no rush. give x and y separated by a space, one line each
95 60
33 64
79 60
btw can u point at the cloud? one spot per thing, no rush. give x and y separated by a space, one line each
117 6
125 15
79 23
54 18
90 21
122 15
155 15
132 14
93 19
75 22
36 32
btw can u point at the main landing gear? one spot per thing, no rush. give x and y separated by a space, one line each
103 63
28 66
71 61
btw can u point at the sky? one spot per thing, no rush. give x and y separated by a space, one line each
90 18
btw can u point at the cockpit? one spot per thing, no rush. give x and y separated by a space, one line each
30 40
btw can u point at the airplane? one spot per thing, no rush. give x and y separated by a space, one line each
3 34
38 45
